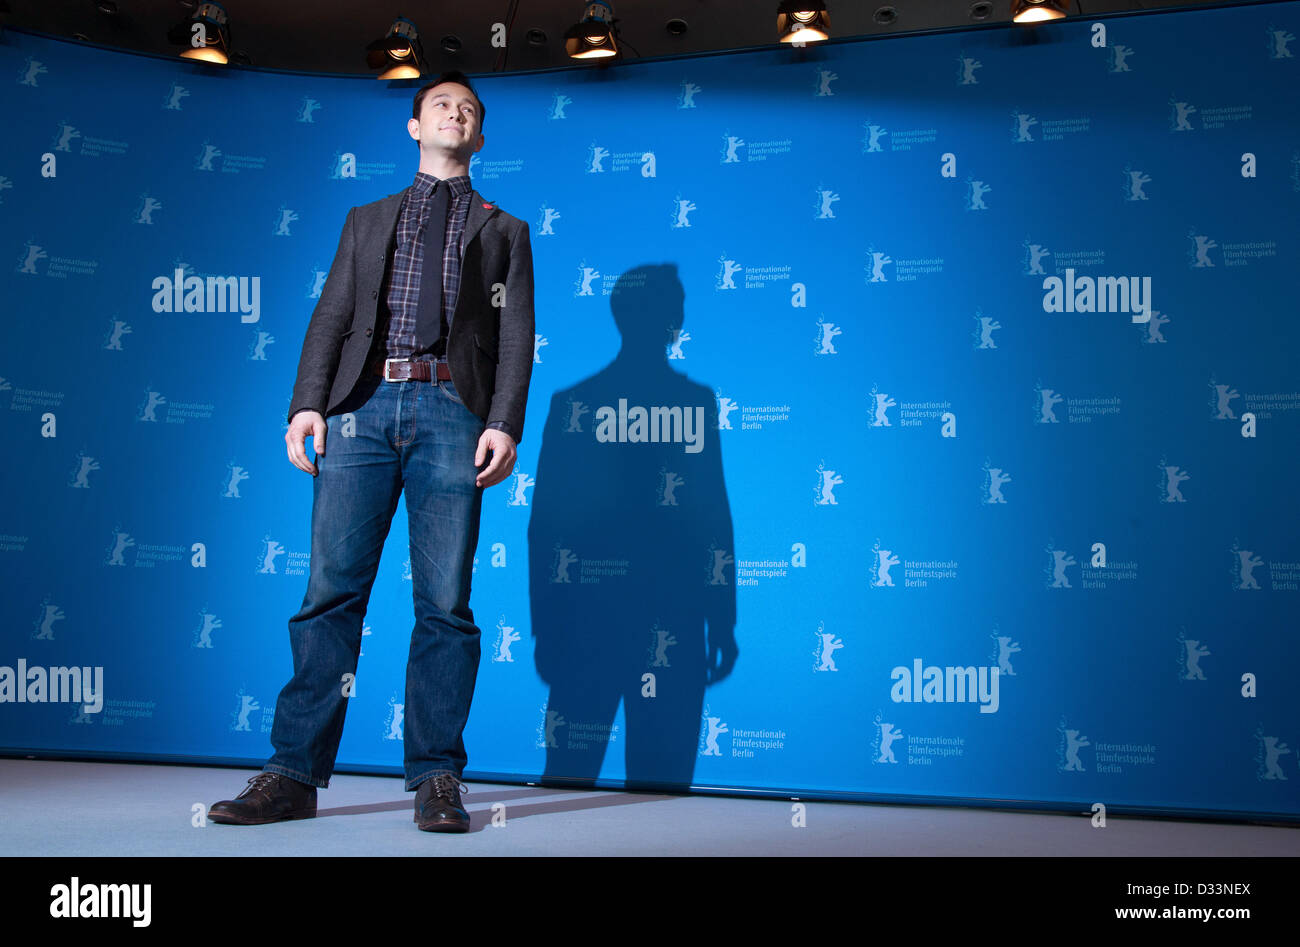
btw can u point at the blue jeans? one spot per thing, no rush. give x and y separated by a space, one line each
420 437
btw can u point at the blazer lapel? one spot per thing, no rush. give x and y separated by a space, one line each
480 212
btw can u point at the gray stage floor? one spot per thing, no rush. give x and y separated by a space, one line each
114 809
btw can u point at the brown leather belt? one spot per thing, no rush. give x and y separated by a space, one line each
403 369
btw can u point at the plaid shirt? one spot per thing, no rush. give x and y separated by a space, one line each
403 296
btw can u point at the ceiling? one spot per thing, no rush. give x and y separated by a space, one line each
330 36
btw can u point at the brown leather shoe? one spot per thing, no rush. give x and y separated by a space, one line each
269 797
438 807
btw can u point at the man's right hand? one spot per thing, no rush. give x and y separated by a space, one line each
302 424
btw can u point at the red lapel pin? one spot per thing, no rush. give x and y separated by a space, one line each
487 206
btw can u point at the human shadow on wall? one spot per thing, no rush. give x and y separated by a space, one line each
631 553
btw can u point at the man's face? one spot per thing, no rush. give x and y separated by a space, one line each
449 121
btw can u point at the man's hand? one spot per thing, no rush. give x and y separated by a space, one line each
502 447
304 423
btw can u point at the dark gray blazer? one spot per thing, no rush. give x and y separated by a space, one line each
490 349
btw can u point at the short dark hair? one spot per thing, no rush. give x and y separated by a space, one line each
453 76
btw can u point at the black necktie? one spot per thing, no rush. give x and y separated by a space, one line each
428 315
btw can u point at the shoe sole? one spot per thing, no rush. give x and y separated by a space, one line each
225 819
443 826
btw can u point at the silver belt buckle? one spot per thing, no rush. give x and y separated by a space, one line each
389 361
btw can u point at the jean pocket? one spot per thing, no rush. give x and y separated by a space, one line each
450 389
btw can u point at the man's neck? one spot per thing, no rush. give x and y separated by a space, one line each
443 166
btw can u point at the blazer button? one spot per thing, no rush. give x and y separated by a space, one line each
381 258
368 331
374 294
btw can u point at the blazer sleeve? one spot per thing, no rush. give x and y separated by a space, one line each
321 348
515 345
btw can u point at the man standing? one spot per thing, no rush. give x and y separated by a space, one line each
424 333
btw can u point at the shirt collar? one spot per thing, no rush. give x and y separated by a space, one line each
423 184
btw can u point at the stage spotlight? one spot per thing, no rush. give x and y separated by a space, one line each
399 54
802 21
594 37
204 35
1037 11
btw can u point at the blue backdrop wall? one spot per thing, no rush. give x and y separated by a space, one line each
984 344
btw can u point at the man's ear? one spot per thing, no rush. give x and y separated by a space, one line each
413 128
481 142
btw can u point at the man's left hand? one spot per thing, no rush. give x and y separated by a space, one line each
502 448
